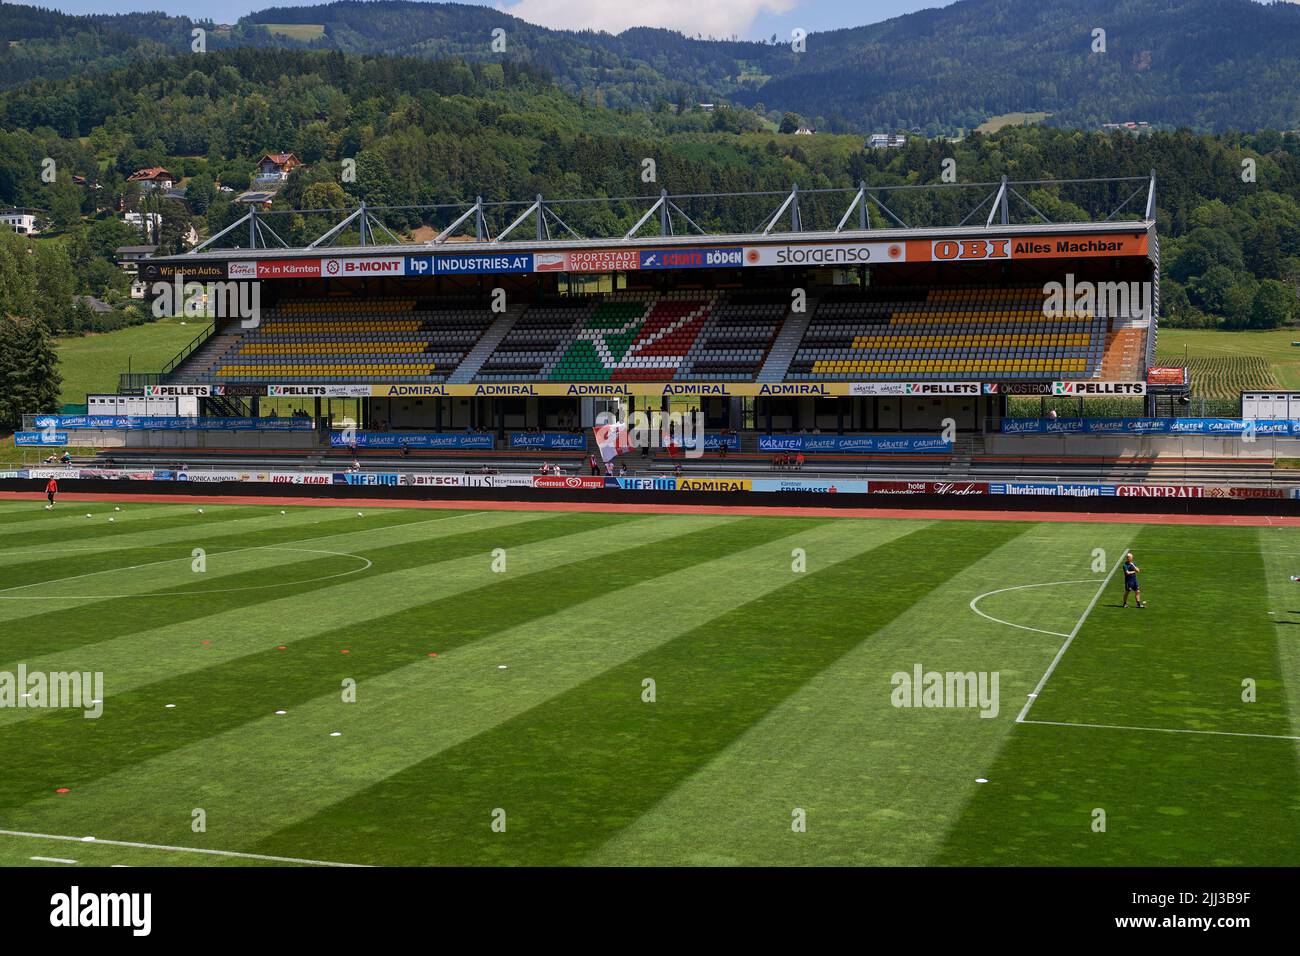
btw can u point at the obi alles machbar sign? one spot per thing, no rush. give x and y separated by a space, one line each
841 253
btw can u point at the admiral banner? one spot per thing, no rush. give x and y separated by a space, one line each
714 484
676 389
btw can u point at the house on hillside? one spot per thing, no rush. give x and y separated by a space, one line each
155 177
804 131
22 220
273 169
886 141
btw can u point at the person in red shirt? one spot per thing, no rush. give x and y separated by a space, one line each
51 489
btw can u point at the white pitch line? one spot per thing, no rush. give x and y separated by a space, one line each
1160 730
52 859
1064 647
175 849
1020 587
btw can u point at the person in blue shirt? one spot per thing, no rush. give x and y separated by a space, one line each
1131 581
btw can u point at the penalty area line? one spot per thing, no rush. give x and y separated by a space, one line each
1159 730
176 849
1078 625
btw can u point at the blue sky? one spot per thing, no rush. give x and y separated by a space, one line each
749 19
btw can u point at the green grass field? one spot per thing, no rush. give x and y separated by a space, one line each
772 689
92 363
1225 363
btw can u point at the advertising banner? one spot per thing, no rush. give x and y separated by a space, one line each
844 487
717 257
412 440
840 254
177 391
364 478
856 444
1227 427
473 264
1160 491
317 391
713 484
1054 489
40 438
585 482
928 487
1026 247
558 441
372 266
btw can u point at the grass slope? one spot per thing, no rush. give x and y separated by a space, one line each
772 689
92 363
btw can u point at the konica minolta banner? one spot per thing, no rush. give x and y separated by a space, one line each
1227 427
411 440
855 444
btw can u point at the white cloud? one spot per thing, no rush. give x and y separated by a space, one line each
720 18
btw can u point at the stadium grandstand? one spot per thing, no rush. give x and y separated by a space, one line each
859 344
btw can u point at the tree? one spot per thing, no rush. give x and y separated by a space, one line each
789 123
29 370
1273 306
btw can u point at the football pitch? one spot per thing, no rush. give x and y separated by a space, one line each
428 687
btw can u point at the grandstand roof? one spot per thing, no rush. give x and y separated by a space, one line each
782 225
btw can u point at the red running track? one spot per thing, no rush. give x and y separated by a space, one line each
931 514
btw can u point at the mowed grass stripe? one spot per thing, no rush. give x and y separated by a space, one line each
167 652
78 527
213 533
1282 611
414 712
42 546
878 784
228 695
1169 799
1166 665
89 623
573 772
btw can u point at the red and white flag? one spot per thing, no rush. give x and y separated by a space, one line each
613 439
